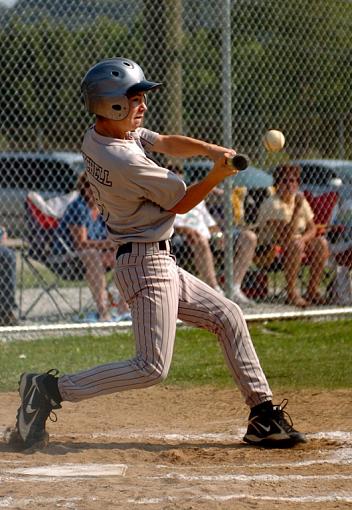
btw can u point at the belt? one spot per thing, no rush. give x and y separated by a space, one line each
127 248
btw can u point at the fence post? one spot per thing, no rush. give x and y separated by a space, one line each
227 141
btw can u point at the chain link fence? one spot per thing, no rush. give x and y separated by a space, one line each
290 69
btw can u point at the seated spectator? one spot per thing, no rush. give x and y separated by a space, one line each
83 230
197 226
252 201
202 231
244 250
7 282
286 219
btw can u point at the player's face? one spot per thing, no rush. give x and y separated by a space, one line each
138 107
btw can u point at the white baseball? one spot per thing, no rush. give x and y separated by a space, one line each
274 140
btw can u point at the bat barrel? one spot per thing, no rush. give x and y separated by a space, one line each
240 161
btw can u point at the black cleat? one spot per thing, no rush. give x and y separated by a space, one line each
35 408
273 428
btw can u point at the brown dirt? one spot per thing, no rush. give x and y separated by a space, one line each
204 464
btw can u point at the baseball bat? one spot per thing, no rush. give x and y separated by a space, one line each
239 162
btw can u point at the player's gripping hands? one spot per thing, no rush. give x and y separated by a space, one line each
199 190
222 169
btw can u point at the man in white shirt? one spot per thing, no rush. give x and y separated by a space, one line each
198 226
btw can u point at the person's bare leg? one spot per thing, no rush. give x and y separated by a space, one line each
108 258
292 264
318 253
95 276
204 260
244 253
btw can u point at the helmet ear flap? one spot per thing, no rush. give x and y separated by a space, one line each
120 109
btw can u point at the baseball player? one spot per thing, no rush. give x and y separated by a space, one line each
139 200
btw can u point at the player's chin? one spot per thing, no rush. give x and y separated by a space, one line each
138 121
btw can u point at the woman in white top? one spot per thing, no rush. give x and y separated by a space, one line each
286 219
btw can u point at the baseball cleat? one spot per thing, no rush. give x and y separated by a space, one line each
273 428
36 406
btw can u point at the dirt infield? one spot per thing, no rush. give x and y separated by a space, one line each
167 448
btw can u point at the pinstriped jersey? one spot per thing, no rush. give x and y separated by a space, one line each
133 193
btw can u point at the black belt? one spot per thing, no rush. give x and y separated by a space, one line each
127 248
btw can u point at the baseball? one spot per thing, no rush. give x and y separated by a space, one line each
273 140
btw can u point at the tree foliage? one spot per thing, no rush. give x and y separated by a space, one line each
286 73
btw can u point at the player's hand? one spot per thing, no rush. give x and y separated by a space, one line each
216 152
221 167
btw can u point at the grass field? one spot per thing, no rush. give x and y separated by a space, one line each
294 354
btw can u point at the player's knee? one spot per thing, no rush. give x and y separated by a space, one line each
153 373
161 375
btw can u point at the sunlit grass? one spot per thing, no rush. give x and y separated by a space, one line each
294 354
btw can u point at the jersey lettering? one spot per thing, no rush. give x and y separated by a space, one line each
100 174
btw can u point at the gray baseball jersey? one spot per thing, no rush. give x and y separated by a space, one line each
134 195
132 191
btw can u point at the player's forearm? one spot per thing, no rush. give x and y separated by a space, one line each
186 147
91 244
196 193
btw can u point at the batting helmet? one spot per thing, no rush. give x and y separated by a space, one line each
107 84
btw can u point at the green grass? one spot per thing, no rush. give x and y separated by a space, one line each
294 354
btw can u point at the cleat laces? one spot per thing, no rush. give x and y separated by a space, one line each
282 416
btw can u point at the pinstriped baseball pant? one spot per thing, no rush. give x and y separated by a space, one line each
159 292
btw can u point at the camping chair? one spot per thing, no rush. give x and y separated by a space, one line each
42 219
322 205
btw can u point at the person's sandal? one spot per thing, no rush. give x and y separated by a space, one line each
297 300
315 299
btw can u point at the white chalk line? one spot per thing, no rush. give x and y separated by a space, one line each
340 436
248 478
10 502
228 497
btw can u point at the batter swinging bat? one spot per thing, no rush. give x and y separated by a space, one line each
239 162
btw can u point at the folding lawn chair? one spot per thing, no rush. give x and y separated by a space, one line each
42 219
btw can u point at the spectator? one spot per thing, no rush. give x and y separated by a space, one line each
244 250
200 229
83 230
197 226
7 282
286 219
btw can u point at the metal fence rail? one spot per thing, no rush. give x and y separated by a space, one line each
231 70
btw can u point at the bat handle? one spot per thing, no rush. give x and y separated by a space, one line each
239 162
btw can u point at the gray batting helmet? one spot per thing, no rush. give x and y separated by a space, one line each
106 87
